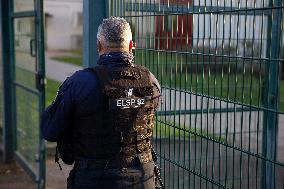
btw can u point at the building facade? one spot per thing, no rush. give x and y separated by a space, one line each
64 24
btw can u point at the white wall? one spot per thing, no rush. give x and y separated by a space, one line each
61 26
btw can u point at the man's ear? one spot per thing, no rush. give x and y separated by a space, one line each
131 43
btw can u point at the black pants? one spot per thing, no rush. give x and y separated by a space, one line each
141 177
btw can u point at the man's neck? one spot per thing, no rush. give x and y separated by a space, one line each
109 50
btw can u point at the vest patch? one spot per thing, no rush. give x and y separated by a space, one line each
130 102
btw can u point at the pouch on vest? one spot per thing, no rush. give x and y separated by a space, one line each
64 149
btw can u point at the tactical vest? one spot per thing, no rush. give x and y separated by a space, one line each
122 127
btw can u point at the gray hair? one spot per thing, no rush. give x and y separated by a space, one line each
114 32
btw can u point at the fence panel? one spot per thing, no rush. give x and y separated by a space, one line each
1 94
220 123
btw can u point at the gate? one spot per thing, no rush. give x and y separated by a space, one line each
220 123
27 66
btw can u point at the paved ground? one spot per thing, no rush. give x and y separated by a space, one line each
56 178
14 177
245 127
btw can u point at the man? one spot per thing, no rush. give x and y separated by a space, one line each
105 115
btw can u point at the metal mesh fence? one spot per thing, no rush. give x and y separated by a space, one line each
220 123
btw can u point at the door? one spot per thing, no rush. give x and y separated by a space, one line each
28 85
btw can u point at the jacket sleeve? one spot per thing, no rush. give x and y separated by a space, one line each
157 89
58 116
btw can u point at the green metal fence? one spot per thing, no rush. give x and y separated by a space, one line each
1 94
220 123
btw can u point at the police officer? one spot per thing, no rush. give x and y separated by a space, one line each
104 116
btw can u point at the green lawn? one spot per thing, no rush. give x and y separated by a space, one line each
27 113
76 58
76 52
78 61
51 90
170 129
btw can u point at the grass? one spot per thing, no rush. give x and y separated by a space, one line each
173 130
76 52
78 61
51 91
76 57
27 113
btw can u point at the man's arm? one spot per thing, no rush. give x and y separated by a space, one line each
58 116
157 89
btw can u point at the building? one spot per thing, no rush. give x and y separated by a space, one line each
64 24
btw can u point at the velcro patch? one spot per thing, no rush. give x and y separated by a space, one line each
130 102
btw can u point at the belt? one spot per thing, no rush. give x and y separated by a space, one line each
116 163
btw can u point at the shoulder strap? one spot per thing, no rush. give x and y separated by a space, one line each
105 77
103 74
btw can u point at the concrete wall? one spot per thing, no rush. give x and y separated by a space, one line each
63 24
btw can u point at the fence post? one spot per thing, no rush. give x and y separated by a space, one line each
271 96
94 12
8 140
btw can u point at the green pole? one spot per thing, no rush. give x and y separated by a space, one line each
8 140
271 96
94 12
41 76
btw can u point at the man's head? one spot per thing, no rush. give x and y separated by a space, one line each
114 34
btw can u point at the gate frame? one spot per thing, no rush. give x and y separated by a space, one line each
7 17
271 96
8 132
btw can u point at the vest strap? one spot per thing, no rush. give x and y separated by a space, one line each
117 163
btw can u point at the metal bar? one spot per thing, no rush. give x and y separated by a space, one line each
93 13
24 14
271 98
193 132
225 100
41 180
195 173
26 165
184 9
29 89
8 135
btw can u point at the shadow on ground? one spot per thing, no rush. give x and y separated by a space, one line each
12 176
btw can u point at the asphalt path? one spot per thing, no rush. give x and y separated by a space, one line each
57 70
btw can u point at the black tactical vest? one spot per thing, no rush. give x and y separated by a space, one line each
123 125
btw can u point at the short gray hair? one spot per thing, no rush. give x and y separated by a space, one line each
114 32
